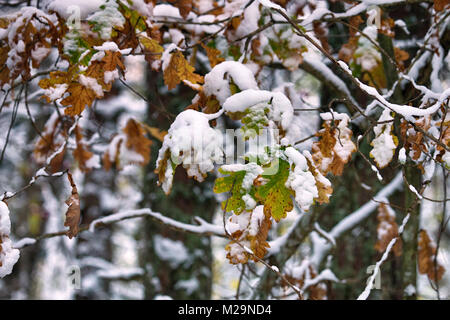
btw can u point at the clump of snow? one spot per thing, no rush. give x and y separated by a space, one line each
301 180
107 46
106 19
385 143
92 84
110 76
56 91
304 123
217 81
402 156
8 255
367 55
243 227
344 146
167 55
280 107
75 7
192 143
39 53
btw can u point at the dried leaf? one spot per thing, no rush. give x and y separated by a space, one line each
213 55
178 70
81 153
184 6
439 5
387 230
323 184
73 214
80 96
155 132
137 141
426 255
152 46
334 148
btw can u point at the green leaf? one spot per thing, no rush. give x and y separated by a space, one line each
255 118
274 194
232 182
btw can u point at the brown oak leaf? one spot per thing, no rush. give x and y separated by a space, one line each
426 255
73 213
387 230
178 70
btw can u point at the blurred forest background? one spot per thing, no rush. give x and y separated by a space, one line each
143 259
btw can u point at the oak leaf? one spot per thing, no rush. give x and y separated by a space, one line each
73 213
178 70
274 194
213 55
81 153
426 256
439 5
387 230
137 141
80 96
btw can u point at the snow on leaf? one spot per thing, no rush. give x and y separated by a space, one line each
257 103
385 141
8 255
335 147
184 6
415 143
239 182
300 179
250 230
323 185
387 230
275 195
228 78
191 142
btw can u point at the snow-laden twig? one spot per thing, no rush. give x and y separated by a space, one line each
365 294
325 275
203 228
40 173
325 234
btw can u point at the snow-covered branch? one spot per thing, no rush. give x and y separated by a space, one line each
203 228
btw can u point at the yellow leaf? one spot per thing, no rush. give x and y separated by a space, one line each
152 46
213 55
155 132
178 70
